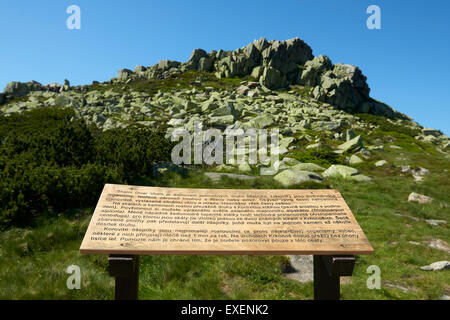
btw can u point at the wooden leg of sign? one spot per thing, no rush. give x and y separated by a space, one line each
327 271
125 270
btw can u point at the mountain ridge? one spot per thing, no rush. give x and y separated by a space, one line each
268 67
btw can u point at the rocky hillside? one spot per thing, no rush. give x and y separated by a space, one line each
59 145
265 84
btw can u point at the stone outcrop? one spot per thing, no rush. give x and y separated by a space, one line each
278 64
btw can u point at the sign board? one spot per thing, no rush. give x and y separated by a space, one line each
152 220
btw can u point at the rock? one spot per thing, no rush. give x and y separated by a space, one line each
437 266
345 86
314 146
407 216
380 163
139 69
242 90
352 144
435 223
167 64
2 98
402 288
337 170
262 121
327 125
176 122
123 74
307 167
301 268
376 148
194 60
221 120
216 176
431 132
354 159
314 69
245 167
261 44
257 72
291 162
205 64
415 197
360 178
439 244
290 177
225 110
272 79
16 89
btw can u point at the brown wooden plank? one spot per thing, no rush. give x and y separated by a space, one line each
154 220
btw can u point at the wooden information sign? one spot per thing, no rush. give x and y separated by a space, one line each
134 220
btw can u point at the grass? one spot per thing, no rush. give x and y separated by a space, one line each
33 261
187 80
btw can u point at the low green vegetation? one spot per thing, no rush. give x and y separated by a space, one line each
200 80
51 161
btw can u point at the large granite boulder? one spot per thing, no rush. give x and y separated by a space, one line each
314 69
272 78
291 177
124 74
194 60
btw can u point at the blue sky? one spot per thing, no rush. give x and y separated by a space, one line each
407 62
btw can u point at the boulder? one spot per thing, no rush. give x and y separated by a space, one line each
139 69
167 64
352 144
360 178
354 159
216 176
272 78
262 121
290 177
205 64
257 72
307 167
314 69
194 60
337 170
420 198
221 120
437 266
16 89
380 163
431 132
124 74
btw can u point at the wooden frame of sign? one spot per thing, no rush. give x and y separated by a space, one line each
133 220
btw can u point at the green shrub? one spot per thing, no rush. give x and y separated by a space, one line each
132 150
323 156
51 162
386 126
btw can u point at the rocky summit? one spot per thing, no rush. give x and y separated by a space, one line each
317 105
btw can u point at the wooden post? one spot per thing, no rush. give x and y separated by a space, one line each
327 272
125 270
